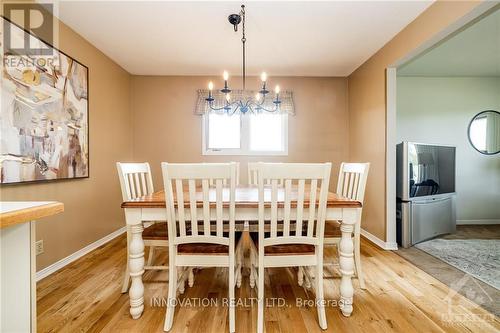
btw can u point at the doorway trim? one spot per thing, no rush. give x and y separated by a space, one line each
477 13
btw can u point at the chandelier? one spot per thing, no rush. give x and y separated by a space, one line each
248 102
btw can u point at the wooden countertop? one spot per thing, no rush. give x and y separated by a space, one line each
15 212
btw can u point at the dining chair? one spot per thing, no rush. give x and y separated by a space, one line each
212 181
197 234
351 184
239 248
253 180
298 241
253 174
136 181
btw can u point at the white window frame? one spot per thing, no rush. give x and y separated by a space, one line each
244 149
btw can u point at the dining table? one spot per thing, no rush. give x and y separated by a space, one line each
151 208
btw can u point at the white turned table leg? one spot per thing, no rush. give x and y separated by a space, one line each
346 262
191 277
136 262
300 276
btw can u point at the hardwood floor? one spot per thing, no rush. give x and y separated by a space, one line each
449 275
85 297
479 231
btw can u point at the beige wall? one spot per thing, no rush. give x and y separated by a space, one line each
151 119
92 206
165 128
367 103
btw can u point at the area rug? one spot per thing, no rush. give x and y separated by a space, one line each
477 257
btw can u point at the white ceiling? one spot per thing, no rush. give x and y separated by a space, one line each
474 51
283 38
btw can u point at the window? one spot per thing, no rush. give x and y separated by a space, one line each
224 132
249 134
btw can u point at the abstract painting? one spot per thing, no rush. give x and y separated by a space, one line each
44 129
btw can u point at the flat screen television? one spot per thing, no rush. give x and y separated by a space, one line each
425 170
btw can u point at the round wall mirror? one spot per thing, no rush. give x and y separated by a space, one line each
484 132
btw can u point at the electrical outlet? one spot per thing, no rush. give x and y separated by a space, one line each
39 247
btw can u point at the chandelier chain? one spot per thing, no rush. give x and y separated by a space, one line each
244 105
243 41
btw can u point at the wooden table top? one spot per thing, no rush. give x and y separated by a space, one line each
15 212
246 196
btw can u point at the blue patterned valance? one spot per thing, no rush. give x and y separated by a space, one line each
202 107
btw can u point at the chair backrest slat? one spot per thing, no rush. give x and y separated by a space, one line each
307 177
300 207
135 180
312 207
345 184
192 206
185 229
218 205
274 207
352 177
352 180
179 188
137 185
144 185
287 207
206 207
132 185
356 185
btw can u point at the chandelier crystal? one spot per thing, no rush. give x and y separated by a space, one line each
259 102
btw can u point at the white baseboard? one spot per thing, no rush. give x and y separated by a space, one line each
78 254
377 241
486 221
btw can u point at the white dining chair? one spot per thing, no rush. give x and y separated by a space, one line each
351 184
197 234
239 248
136 181
298 241
253 174
212 183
